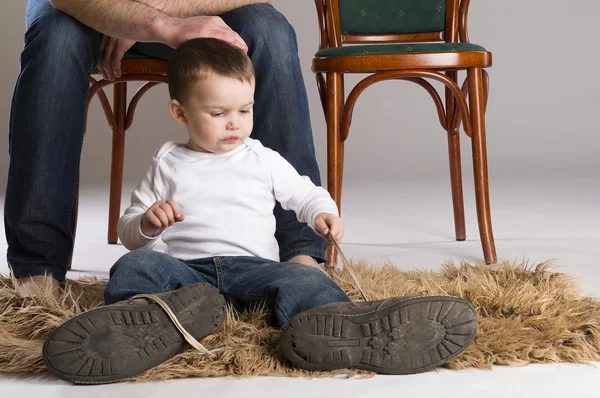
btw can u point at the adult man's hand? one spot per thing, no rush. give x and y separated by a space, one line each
176 31
112 50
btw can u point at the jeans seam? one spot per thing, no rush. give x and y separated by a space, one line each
74 192
219 272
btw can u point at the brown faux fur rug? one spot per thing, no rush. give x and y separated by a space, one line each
527 314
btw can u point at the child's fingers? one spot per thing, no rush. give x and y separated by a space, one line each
339 235
321 226
335 233
176 210
337 228
168 210
153 220
162 216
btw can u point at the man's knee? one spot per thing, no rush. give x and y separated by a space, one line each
58 38
261 24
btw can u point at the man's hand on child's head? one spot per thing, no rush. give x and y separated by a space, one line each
176 31
160 216
325 222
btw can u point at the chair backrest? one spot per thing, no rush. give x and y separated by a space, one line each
391 21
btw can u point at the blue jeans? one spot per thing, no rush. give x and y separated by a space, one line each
46 135
289 288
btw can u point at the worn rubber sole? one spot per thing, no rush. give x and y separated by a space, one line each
411 336
115 342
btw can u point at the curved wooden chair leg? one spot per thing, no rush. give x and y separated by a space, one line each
477 110
458 203
486 87
117 160
334 148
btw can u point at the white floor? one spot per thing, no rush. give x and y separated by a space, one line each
409 224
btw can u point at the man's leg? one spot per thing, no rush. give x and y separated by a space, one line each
281 113
45 139
123 339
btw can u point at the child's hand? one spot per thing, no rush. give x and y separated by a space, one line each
159 216
325 222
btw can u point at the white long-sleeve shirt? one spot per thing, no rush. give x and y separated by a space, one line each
227 200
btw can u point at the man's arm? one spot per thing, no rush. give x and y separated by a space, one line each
190 8
134 20
126 19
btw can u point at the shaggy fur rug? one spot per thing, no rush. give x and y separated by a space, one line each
527 314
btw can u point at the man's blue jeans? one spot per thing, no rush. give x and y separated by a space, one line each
289 288
47 122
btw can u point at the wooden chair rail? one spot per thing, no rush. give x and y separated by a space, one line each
97 87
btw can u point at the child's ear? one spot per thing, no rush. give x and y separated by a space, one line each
177 112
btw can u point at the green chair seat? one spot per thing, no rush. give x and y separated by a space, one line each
379 49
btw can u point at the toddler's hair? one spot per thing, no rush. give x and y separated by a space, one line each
198 59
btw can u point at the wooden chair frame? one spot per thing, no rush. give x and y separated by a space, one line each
466 104
120 117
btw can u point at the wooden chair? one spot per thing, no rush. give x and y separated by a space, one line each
120 117
413 41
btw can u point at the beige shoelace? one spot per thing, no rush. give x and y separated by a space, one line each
186 335
347 265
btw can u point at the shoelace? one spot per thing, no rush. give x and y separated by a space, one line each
347 265
186 335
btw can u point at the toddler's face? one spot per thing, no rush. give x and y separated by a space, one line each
218 114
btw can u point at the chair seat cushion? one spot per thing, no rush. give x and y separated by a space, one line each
410 48
134 55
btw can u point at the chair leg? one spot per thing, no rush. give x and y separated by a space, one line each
334 142
477 105
458 204
118 155
334 147
342 144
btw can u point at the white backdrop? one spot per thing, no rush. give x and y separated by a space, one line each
544 100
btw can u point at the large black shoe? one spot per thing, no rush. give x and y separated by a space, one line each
400 335
121 340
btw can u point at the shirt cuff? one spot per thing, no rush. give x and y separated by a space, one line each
143 237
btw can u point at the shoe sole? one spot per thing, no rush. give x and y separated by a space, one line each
111 343
410 336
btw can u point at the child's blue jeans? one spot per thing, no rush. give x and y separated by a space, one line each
244 281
